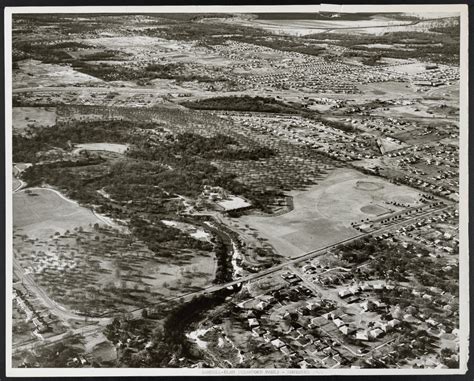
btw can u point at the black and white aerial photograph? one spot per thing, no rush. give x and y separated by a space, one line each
230 191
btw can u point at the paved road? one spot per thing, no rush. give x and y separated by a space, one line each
58 310
128 90
300 258
20 186
22 183
210 289
84 331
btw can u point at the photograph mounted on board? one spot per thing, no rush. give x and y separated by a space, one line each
238 190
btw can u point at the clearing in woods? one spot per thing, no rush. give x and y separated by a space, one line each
35 117
40 212
109 147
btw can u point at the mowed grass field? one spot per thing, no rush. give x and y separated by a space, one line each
323 214
42 212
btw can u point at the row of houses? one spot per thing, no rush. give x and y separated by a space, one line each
41 321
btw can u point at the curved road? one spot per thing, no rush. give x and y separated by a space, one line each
58 310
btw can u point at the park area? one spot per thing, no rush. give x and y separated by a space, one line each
323 213
91 267
41 212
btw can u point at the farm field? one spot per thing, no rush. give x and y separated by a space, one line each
322 214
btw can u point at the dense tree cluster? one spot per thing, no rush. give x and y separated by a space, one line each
397 263
143 185
262 104
217 147
156 235
180 166
243 103
148 344
372 60
123 72
58 355
440 47
187 30
111 131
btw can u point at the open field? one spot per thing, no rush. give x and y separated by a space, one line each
193 231
387 90
34 73
117 271
109 147
24 117
15 184
40 212
450 92
322 214
304 27
171 279
413 68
